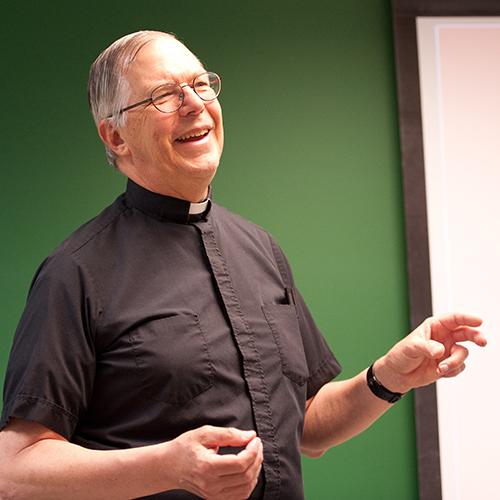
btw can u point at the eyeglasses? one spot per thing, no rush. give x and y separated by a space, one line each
169 97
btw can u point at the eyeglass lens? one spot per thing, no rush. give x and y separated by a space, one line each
169 97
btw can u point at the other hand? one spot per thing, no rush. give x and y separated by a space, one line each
199 468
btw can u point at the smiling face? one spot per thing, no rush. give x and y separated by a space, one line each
169 153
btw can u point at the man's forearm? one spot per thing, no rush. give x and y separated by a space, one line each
54 469
339 411
39 463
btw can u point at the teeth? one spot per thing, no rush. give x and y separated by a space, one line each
194 134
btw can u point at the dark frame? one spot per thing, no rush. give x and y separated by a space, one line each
404 13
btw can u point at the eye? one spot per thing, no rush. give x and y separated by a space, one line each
202 85
165 93
207 86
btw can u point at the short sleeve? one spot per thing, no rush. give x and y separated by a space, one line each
321 362
51 366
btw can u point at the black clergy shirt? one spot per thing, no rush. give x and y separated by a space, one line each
148 322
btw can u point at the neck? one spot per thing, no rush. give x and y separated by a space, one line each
193 191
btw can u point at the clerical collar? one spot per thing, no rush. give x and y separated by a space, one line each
166 207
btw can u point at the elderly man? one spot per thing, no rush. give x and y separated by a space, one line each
164 349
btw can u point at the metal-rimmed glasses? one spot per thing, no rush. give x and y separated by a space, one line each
169 97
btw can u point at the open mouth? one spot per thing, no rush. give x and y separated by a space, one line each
193 136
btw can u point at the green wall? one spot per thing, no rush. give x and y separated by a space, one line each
311 154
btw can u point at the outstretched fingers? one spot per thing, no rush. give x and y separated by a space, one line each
466 333
451 321
432 351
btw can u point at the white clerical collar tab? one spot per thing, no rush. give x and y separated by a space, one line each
198 208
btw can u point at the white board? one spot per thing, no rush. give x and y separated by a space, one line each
459 67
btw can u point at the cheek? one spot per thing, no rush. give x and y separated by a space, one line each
215 110
220 139
217 118
161 139
159 127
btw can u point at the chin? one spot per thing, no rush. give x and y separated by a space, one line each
206 166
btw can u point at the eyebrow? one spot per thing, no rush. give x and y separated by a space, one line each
193 74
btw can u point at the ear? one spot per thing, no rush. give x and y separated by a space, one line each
112 138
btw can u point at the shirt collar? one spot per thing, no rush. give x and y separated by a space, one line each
166 207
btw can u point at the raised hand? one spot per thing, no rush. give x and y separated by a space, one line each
430 352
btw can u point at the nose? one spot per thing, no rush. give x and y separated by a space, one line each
192 104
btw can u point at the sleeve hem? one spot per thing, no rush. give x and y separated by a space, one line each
326 371
42 411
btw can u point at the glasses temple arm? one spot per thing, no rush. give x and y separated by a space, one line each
132 106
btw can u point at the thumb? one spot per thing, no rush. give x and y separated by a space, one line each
211 436
434 349
420 347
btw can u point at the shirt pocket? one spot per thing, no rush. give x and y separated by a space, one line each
284 325
172 358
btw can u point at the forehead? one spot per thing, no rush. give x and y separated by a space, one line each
162 59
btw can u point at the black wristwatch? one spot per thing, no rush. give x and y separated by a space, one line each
379 390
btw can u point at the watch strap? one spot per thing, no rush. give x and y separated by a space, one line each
379 390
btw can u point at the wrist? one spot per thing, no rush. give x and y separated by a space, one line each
388 377
378 390
157 466
169 463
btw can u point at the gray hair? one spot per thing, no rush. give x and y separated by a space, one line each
108 88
